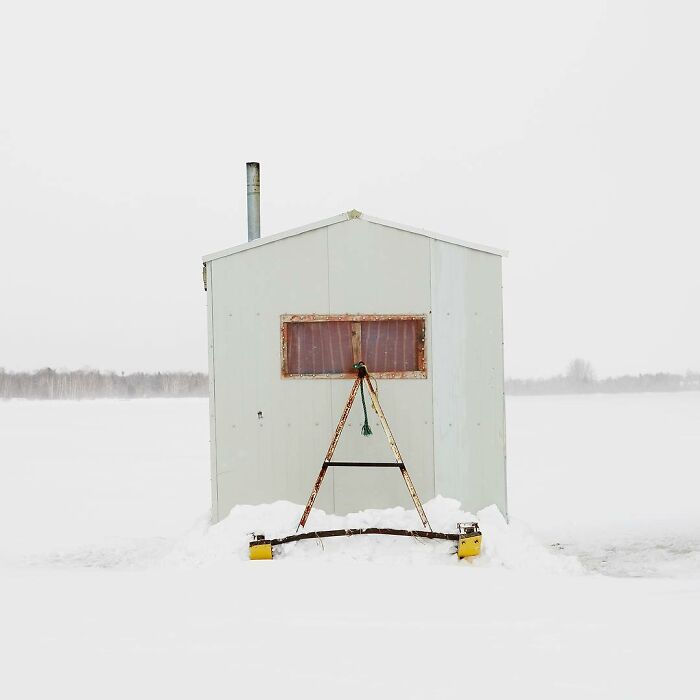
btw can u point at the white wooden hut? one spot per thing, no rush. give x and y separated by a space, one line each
289 314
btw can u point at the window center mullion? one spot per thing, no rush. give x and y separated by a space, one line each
356 342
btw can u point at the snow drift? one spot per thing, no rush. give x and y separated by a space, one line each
504 545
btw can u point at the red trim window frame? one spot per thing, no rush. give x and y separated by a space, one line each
406 330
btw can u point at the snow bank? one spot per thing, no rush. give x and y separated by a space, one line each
504 545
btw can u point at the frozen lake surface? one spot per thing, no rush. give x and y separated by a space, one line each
612 478
113 585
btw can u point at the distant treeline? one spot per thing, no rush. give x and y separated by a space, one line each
580 379
91 384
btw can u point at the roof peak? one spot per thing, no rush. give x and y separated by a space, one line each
348 216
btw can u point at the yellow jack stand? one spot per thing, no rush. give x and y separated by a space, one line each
469 543
260 548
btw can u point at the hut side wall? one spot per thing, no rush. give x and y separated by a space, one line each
467 327
212 395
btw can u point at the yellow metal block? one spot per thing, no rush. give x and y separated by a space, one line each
469 546
260 550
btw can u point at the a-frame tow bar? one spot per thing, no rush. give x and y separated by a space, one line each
467 536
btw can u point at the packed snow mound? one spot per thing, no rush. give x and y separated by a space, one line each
504 545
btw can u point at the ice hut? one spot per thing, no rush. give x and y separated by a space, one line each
288 316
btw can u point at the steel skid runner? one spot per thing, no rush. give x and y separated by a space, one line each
468 537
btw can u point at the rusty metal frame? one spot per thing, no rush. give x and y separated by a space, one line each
363 376
356 320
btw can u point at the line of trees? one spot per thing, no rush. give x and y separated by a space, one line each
92 384
580 378
48 383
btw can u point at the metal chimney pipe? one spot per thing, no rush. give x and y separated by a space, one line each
253 178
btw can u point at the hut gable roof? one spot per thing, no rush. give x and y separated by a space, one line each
347 216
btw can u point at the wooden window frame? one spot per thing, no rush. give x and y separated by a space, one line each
356 320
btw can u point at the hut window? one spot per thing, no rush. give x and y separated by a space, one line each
328 346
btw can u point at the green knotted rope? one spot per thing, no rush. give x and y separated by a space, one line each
362 370
366 430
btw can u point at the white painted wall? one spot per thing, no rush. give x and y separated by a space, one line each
355 266
467 368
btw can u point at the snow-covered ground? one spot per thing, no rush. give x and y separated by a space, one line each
113 585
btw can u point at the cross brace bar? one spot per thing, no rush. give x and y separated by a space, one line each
362 464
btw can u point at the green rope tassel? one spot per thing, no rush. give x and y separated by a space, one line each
366 430
362 373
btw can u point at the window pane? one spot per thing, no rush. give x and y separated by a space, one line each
319 347
392 345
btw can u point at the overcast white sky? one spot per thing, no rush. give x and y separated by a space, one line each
567 132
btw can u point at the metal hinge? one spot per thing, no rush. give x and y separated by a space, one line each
204 275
